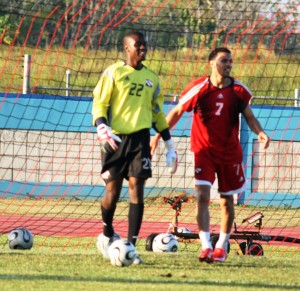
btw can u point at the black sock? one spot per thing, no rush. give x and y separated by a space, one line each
107 219
135 217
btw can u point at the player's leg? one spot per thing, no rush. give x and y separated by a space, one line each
109 203
203 221
136 208
112 174
138 171
203 199
108 207
227 213
231 180
204 178
227 218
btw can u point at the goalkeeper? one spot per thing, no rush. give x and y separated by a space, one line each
127 103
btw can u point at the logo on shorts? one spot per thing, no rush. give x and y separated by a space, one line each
198 170
105 175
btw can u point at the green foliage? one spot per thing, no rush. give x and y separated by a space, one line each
6 28
264 72
172 24
71 35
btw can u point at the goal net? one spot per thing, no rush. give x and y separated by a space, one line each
52 54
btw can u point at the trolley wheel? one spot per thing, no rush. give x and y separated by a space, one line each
149 241
243 247
255 249
214 239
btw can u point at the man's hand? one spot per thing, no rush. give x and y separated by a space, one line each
154 143
106 137
171 156
262 137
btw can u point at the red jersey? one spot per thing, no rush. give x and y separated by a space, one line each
215 127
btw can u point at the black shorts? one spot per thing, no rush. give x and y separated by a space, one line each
132 158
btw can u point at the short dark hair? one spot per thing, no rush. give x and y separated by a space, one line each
132 33
217 50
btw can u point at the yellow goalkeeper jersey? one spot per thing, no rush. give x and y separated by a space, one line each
129 99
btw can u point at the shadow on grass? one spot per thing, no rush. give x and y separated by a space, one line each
143 281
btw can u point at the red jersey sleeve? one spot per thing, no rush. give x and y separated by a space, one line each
243 92
189 96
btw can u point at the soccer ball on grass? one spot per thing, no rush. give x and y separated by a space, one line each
165 242
104 242
122 253
20 239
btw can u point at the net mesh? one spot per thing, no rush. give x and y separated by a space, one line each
52 54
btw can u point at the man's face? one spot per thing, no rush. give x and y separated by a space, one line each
136 48
222 64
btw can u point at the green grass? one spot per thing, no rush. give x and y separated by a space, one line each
73 263
64 263
44 270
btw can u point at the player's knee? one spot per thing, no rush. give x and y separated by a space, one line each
226 201
203 198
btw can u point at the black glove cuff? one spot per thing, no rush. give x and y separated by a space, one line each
165 134
100 120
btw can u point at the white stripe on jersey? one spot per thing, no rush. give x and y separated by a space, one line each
237 82
109 74
191 93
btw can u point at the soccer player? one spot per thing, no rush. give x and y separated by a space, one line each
216 101
127 103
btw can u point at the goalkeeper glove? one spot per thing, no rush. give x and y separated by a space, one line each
171 156
106 137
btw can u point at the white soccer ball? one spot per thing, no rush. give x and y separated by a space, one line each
122 253
103 244
20 239
165 242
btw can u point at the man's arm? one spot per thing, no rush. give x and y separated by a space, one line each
174 115
255 126
172 118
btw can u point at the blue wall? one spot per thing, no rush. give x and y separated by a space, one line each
42 112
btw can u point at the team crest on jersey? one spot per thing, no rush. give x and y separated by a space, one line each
149 83
198 170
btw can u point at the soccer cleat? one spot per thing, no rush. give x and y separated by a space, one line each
103 243
206 255
219 255
138 260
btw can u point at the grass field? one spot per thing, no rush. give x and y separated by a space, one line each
44 270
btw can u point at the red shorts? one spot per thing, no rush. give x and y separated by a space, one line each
231 177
